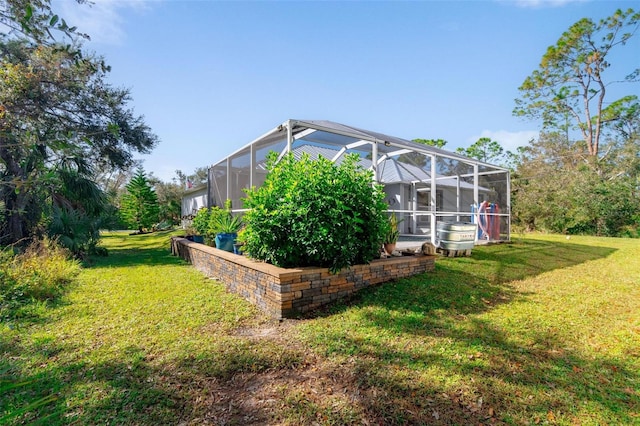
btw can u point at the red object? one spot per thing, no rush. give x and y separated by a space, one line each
495 228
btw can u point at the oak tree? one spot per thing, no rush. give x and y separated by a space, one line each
56 112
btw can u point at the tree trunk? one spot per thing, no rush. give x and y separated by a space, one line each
15 228
14 201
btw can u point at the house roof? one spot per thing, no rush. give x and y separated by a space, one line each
196 188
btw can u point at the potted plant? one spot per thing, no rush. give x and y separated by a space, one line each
200 223
227 226
237 245
212 225
190 232
392 235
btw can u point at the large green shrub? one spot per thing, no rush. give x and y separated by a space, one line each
313 212
75 230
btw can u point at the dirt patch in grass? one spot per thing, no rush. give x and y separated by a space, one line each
272 330
307 392
325 390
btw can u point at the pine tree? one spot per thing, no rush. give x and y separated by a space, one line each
140 208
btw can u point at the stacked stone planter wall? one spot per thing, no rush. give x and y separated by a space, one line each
284 293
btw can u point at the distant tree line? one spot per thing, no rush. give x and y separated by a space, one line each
582 175
587 183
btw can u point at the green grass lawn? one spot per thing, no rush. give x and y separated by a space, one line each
542 331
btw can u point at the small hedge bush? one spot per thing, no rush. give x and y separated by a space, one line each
315 213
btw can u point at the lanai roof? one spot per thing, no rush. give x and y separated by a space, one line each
325 132
391 170
330 140
392 142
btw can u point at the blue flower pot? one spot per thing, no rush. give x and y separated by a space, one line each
225 241
198 239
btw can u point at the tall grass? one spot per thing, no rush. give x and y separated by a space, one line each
40 274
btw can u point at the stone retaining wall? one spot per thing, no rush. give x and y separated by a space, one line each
284 292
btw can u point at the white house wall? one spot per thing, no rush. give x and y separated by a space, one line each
393 197
192 202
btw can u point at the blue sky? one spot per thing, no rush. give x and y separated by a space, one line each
210 76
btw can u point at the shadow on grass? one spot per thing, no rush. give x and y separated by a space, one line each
136 250
468 285
525 258
378 385
128 391
134 389
24 311
500 377
499 381
398 347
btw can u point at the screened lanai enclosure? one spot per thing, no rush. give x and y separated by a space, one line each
424 185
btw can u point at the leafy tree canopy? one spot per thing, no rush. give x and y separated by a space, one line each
438 143
592 184
35 20
570 85
486 150
198 177
56 112
554 190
